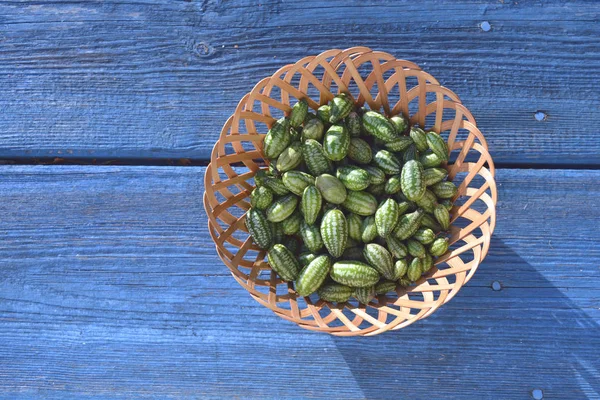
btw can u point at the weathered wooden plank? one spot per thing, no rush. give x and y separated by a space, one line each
108 287
157 80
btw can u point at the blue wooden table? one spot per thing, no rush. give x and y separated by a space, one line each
111 287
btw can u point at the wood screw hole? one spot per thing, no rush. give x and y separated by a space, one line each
485 26
537 394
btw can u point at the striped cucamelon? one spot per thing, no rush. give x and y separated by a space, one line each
290 158
298 113
437 145
261 197
310 205
283 262
415 248
408 224
399 144
331 188
282 208
259 228
400 124
260 177
340 107
376 190
297 181
426 262
424 236
359 151
379 258
334 231
378 126
335 292
430 160
313 129
291 225
387 161
324 113
361 203
368 229
442 216
278 138
427 221
447 203
277 230
354 178
410 154
400 268
306 258
336 142
314 157
428 201
354 273
404 281
313 275
434 175
444 190
311 236
354 124
414 269
393 184
385 286
364 294
413 186
418 136
354 222
376 175
386 217
396 247
438 247
276 185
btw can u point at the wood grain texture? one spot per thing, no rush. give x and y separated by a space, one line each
109 287
155 80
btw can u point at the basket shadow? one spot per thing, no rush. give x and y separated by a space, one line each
489 341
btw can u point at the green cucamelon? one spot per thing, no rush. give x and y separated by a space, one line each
365 294
400 268
399 144
379 258
354 178
438 247
313 275
291 225
283 262
379 126
437 145
315 158
334 232
418 136
376 175
335 292
295 134
410 154
298 113
442 216
290 158
324 112
414 269
396 247
434 175
278 138
277 230
413 186
359 151
354 274
354 222
387 161
259 228
282 208
331 188
385 286
311 236
404 281
336 142
354 124
444 190
306 258
341 105
408 224
430 160
297 181
428 201
261 197
447 203
361 203
313 129
386 217
310 205
368 231
426 262
260 177
424 236
415 248
427 221
276 185
376 190
393 184
400 124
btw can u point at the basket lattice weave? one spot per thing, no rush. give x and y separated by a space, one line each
383 82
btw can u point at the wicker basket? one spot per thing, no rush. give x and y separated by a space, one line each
380 80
